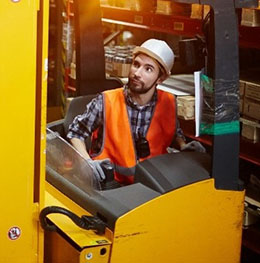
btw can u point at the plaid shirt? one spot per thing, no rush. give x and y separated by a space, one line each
140 118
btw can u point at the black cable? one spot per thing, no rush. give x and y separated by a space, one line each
85 222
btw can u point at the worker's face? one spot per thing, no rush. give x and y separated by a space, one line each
144 74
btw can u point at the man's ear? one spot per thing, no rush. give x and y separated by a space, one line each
162 78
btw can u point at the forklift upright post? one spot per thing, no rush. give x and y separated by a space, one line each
223 69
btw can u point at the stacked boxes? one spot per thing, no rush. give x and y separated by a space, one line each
199 11
118 3
163 7
252 101
118 60
242 85
186 107
250 17
136 5
251 111
169 7
250 130
252 91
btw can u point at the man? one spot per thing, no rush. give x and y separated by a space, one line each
133 123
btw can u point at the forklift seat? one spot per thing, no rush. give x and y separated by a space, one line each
77 106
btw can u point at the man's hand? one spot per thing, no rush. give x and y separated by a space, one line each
193 146
96 166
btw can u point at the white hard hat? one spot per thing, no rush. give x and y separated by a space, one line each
160 51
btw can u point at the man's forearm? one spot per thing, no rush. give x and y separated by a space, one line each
80 146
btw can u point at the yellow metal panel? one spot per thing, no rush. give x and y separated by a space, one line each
18 49
75 245
195 223
98 254
59 250
84 238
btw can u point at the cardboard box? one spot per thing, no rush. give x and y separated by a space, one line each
250 130
242 85
206 10
251 108
163 7
140 5
186 107
199 11
109 67
252 90
121 69
241 105
196 11
250 17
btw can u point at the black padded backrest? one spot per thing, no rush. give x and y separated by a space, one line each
77 106
168 172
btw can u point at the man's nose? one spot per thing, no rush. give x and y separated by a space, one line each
138 72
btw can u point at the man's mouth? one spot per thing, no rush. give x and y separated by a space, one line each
136 81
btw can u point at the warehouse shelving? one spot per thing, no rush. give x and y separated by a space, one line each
249 37
171 24
248 151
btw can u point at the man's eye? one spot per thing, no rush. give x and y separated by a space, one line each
136 64
149 69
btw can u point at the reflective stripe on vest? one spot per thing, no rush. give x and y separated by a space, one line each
118 142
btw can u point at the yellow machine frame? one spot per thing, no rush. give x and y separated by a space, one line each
174 227
156 231
23 82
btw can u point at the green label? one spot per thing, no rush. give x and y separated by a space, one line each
220 128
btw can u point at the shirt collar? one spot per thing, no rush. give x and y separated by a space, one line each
133 104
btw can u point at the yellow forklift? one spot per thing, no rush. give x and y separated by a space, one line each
184 207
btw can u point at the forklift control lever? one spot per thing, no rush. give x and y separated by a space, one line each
85 222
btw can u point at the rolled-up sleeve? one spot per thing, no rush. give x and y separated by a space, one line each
83 125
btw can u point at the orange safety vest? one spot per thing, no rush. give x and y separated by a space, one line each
118 141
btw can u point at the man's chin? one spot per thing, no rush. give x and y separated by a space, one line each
138 90
135 86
